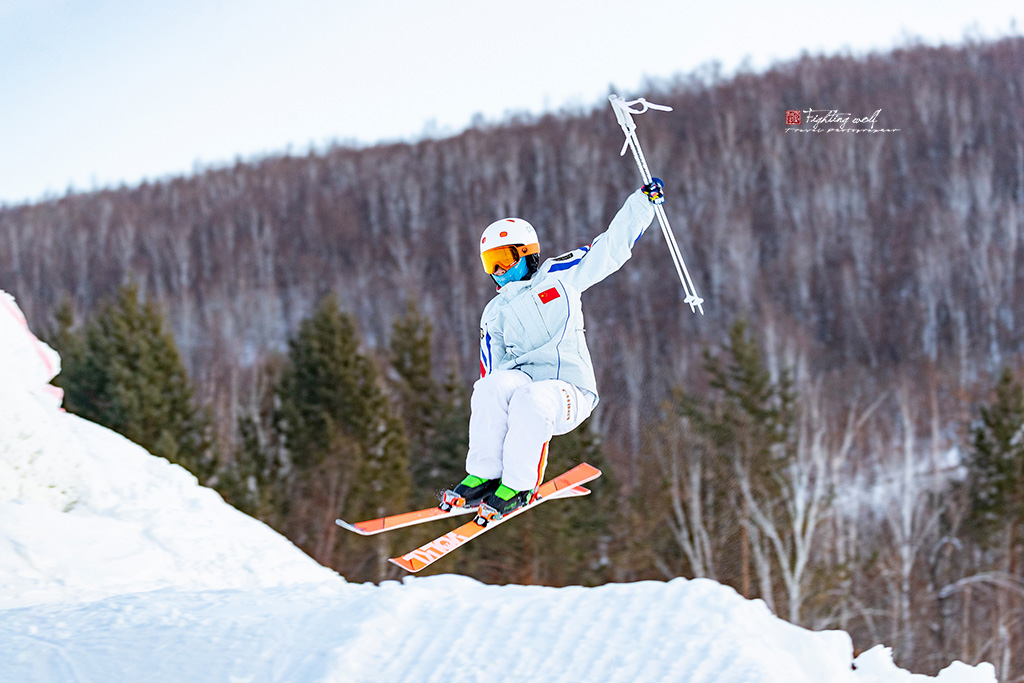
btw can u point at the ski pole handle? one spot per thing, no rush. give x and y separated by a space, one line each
624 114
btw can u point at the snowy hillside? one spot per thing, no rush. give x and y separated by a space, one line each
116 566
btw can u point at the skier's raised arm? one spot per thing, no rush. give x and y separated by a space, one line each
589 265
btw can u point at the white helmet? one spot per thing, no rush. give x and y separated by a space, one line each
516 235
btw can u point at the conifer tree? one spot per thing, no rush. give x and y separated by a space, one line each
346 447
758 413
123 371
435 416
995 504
64 338
328 387
451 436
747 424
412 359
996 466
419 400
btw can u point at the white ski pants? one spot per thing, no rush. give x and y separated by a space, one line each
512 420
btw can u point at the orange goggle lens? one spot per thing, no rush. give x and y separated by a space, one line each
505 257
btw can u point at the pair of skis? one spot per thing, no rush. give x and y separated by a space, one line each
568 485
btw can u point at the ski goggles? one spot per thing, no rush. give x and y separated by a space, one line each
506 256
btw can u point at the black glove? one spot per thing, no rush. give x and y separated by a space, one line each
655 191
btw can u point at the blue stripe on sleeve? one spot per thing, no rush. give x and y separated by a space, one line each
564 266
568 317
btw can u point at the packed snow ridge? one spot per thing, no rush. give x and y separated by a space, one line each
115 565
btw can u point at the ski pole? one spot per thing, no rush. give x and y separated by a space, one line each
624 115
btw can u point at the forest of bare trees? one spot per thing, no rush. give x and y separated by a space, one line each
875 282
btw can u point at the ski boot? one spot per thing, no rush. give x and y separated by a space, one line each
468 494
500 503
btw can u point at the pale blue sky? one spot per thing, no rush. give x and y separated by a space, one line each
99 92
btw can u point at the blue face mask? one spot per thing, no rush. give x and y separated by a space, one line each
513 274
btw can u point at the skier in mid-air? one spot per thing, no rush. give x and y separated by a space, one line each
536 376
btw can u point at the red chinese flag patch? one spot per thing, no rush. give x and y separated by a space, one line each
549 295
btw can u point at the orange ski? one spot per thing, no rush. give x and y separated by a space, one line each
372 527
562 486
402 519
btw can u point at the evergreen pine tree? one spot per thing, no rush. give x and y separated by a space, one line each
412 359
435 416
451 436
123 371
419 400
65 339
748 425
996 466
328 388
757 414
347 450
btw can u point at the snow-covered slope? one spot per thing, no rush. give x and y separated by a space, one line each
85 513
116 566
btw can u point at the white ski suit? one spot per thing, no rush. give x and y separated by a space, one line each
536 375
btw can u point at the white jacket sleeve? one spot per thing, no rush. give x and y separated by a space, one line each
587 266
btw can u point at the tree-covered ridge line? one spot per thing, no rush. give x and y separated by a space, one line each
866 251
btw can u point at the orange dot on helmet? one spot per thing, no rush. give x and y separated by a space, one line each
503 234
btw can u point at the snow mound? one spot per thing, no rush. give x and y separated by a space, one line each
86 514
117 565
435 630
